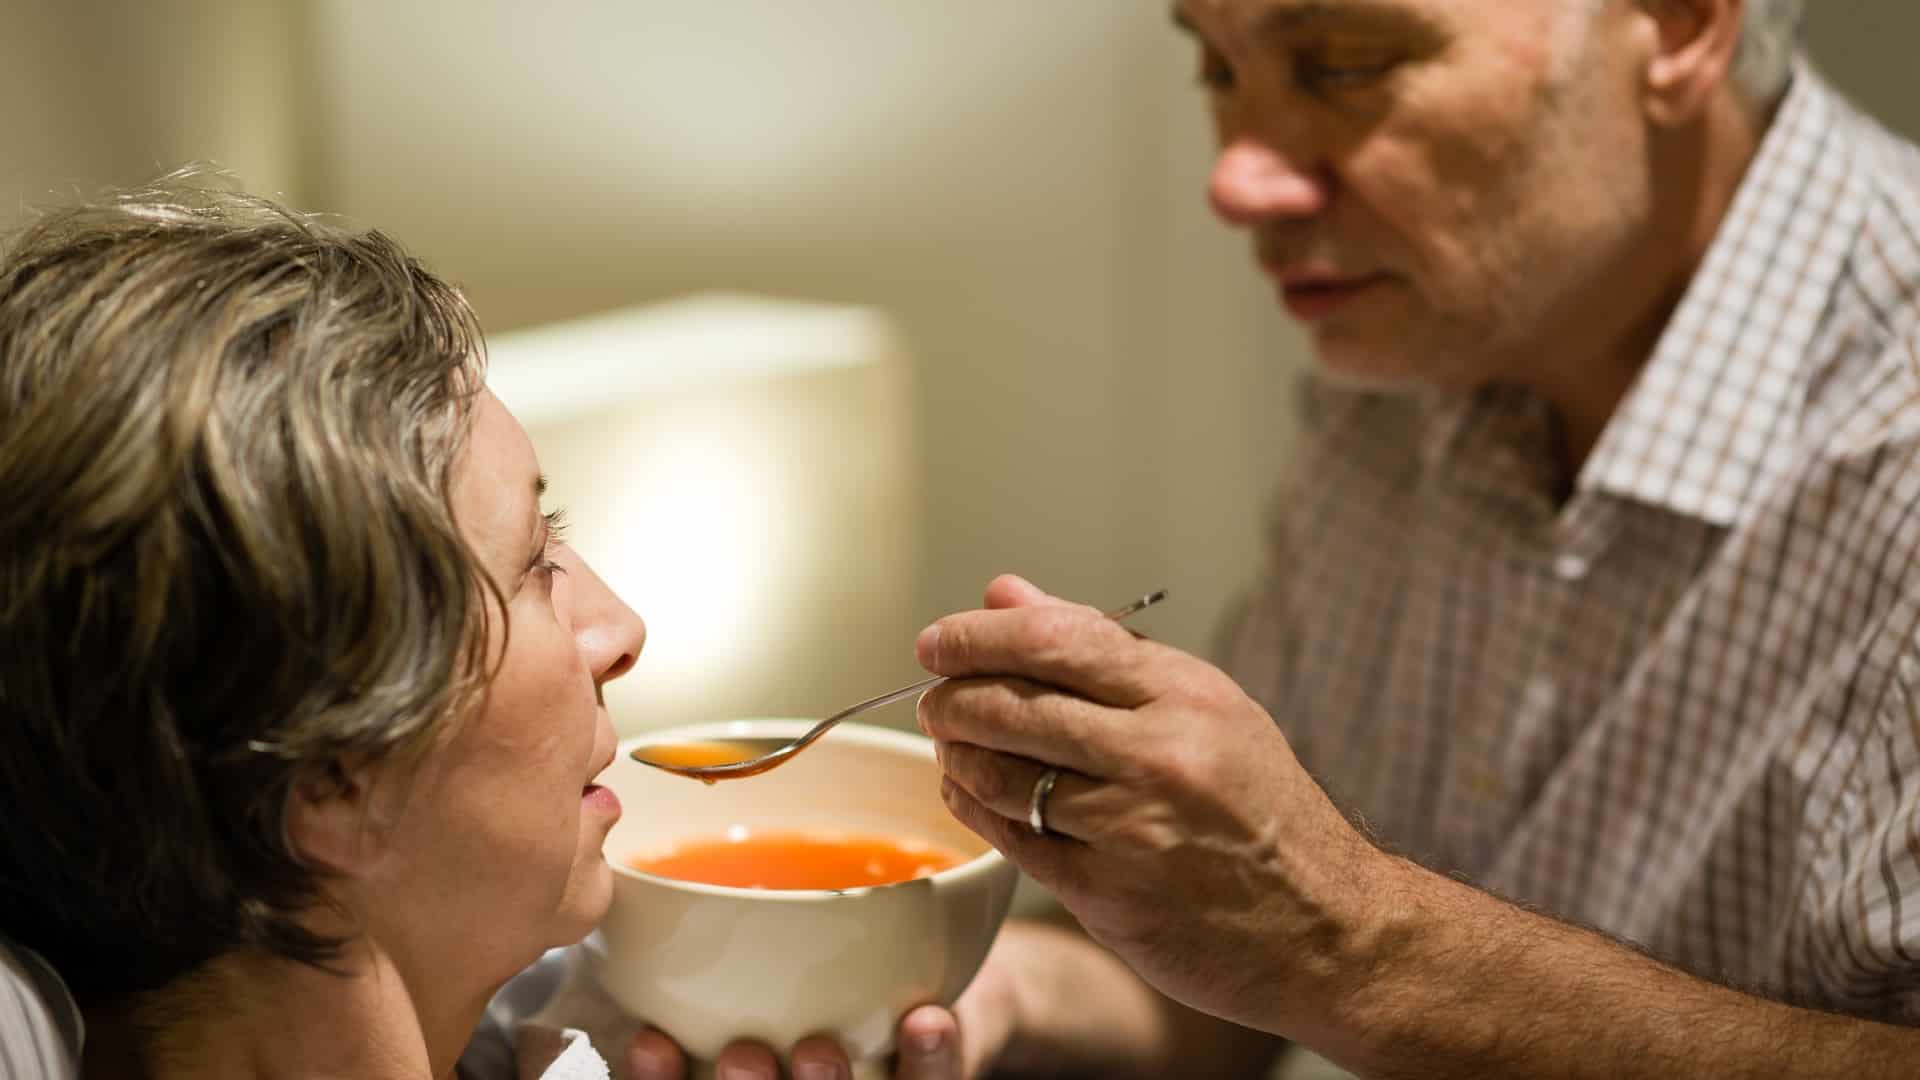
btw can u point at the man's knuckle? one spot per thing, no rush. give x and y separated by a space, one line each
936 710
1182 764
1053 633
988 782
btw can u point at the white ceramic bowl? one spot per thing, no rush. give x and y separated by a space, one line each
709 963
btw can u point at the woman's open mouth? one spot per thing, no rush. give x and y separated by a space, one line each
601 798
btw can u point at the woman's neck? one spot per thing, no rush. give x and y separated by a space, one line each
254 1016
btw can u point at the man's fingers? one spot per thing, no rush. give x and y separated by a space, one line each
1074 648
1050 860
1018 716
1012 590
1005 784
929 1046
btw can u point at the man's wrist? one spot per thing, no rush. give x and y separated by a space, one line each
1372 965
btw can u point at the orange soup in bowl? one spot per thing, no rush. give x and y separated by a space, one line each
798 860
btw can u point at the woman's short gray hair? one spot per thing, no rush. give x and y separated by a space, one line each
1768 38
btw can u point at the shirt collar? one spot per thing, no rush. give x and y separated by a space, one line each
1713 420
1496 442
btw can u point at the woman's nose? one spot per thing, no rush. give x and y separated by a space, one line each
609 633
1254 183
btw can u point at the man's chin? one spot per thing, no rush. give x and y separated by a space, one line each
1374 371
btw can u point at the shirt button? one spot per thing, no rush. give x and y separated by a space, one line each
1541 693
1571 567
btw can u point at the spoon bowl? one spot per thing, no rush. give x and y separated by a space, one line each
735 759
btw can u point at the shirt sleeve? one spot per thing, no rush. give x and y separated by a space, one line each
40 1027
1853 941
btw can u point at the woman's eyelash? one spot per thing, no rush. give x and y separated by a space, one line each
556 521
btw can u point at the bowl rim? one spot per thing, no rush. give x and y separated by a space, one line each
986 863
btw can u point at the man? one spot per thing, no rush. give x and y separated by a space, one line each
1592 588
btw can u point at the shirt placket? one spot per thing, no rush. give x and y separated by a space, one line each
1553 572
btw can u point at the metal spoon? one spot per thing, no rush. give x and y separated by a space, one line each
734 759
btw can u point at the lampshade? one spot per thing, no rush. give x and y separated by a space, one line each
742 471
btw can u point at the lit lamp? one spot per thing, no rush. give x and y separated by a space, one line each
744 473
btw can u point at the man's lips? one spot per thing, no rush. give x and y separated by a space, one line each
1313 294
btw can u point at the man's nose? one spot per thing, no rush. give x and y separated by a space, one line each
1253 182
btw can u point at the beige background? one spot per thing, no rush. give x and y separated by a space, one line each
1018 184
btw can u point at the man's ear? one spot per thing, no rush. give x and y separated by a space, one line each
331 823
1698 41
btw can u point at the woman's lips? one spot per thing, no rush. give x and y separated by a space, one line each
601 798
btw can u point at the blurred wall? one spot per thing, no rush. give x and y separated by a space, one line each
97 92
1019 184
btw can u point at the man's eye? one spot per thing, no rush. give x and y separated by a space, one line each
1344 70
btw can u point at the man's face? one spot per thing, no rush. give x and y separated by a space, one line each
1437 187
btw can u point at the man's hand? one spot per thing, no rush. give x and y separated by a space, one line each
1181 832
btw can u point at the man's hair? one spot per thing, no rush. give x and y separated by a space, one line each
228 561
1763 58
1769 34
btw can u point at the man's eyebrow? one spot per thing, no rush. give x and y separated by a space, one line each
1281 20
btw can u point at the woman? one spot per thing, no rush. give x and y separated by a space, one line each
300 697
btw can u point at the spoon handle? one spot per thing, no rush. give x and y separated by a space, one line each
892 696
887 698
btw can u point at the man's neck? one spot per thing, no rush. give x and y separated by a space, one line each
257 1016
1697 172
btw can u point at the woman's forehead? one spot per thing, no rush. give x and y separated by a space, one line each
497 488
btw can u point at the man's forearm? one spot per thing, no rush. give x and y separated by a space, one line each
1461 983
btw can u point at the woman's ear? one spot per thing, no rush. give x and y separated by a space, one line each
330 820
1698 42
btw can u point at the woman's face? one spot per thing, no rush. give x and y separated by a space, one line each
495 850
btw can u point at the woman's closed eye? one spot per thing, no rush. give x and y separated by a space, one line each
554 529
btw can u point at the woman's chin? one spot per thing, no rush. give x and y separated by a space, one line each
588 901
